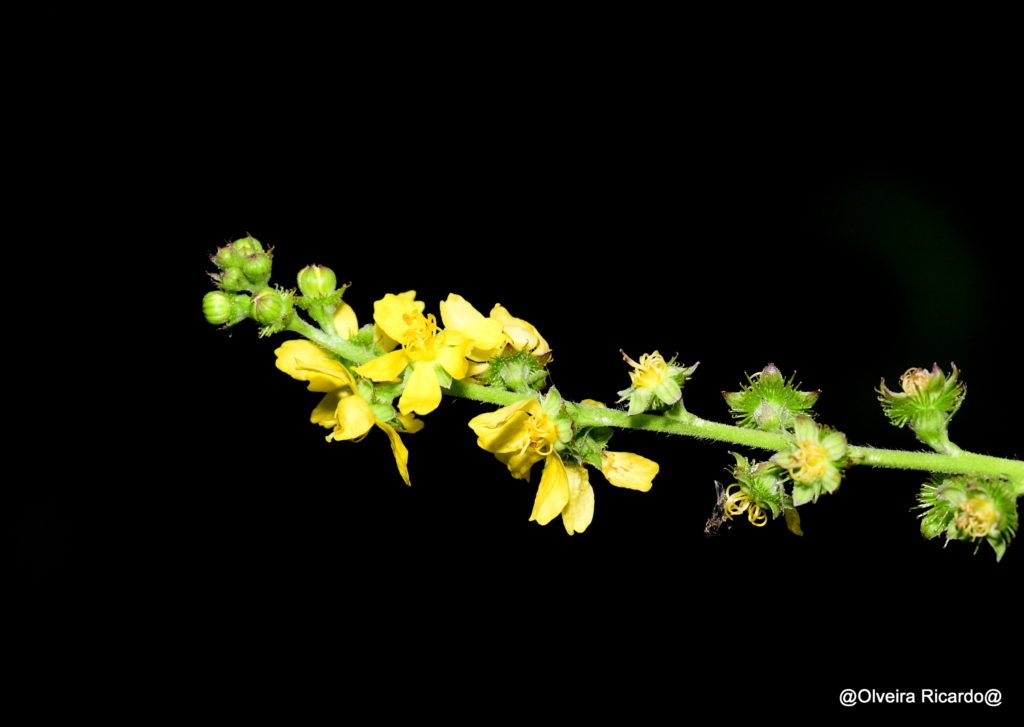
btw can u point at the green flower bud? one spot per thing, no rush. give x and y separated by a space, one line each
246 246
769 402
257 268
227 257
232 280
217 307
270 306
317 281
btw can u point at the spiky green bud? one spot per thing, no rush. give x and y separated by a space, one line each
769 402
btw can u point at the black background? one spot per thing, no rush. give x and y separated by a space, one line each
731 219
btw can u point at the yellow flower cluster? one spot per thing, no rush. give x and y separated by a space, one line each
419 358
417 350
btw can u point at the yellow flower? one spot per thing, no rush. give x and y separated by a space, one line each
345 322
424 347
342 409
491 335
520 435
650 372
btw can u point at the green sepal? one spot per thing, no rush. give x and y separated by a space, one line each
793 521
589 443
443 377
768 401
387 392
383 412
365 390
763 482
669 391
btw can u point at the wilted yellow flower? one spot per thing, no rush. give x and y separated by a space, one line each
491 336
342 409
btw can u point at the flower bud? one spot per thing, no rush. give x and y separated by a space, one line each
317 281
227 257
217 307
232 280
257 267
269 306
246 246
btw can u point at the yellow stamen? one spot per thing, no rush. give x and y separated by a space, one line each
913 380
810 461
738 502
977 518
649 372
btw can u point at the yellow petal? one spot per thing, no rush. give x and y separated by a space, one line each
553 492
393 313
593 402
422 393
410 423
324 414
519 463
624 469
354 417
579 511
452 355
388 367
504 430
522 335
399 450
296 358
345 322
484 333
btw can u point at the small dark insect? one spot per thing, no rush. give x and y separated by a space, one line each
718 515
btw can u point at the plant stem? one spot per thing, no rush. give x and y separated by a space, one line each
686 424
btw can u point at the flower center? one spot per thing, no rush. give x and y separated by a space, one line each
649 372
913 380
422 337
977 518
809 462
541 434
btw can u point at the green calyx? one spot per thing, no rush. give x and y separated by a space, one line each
814 459
927 403
518 371
769 402
763 483
972 508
